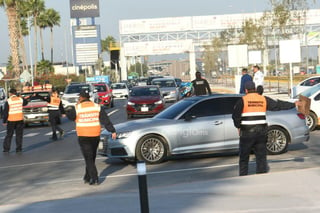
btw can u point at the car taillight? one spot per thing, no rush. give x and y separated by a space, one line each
301 116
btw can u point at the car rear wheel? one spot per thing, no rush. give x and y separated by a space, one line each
278 140
151 149
312 121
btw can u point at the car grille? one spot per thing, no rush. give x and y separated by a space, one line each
31 110
138 106
72 100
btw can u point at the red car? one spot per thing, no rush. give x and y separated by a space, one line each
145 100
105 94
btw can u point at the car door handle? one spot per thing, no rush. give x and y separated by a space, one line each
217 122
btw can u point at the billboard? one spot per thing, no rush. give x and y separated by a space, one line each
84 8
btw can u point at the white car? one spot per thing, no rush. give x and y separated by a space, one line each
304 85
120 90
313 119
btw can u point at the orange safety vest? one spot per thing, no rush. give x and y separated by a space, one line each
254 110
54 103
15 108
87 119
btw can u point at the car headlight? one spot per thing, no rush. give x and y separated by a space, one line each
158 102
44 109
123 135
172 92
131 103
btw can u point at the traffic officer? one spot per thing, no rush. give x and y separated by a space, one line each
88 117
249 117
201 85
55 109
13 119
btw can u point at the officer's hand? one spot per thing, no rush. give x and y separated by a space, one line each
63 115
114 136
4 124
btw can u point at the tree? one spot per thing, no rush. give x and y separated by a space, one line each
53 20
105 44
45 68
211 56
252 34
43 24
11 11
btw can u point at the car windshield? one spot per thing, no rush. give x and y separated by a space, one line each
175 109
36 96
118 86
77 88
164 83
309 92
100 88
144 91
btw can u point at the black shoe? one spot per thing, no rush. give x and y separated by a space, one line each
54 138
61 134
85 181
94 182
18 151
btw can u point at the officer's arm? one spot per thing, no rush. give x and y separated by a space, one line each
71 113
25 102
61 108
276 105
208 87
5 113
105 121
236 115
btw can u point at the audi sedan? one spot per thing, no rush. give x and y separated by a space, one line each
196 125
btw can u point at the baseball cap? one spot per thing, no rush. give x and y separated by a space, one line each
249 85
85 93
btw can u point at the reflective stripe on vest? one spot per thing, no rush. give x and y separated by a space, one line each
87 120
15 108
254 110
54 103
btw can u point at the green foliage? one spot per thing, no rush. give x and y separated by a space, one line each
44 67
138 67
105 43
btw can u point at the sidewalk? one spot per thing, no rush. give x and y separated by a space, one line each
280 192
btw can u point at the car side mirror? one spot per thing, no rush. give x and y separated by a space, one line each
61 93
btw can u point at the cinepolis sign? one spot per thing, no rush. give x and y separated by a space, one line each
84 8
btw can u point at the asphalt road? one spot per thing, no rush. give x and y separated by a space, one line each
48 170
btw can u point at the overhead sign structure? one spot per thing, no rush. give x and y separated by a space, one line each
84 8
86 44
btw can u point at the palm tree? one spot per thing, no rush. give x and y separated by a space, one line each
11 11
43 24
35 7
105 44
53 20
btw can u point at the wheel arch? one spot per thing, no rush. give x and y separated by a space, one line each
158 135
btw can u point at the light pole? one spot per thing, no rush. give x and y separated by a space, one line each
30 52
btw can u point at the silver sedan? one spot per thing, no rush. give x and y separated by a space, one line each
195 125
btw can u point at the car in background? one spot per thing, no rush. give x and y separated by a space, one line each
104 94
150 78
144 100
195 125
168 88
313 119
142 81
36 111
71 94
3 99
120 90
178 81
304 85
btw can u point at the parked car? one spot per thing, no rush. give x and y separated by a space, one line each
168 88
314 117
305 84
195 125
150 78
144 100
36 111
71 94
120 90
104 94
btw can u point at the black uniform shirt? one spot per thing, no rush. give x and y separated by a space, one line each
201 86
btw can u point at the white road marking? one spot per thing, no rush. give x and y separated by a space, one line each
31 134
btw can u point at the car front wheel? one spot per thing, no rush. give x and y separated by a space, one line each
278 140
151 149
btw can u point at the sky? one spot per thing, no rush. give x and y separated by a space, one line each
111 11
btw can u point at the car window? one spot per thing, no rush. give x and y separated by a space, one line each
77 88
100 88
228 104
163 83
175 109
206 108
309 92
118 86
36 96
153 91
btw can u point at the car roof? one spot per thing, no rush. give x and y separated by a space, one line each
146 86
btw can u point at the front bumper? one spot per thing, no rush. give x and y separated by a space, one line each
115 148
36 118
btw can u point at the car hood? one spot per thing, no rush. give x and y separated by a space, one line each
72 95
137 124
36 104
102 93
144 99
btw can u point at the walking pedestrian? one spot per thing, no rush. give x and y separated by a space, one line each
258 76
249 118
200 85
13 119
56 110
88 117
245 78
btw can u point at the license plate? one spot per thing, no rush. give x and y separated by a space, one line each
144 109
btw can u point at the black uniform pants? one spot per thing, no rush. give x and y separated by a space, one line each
54 116
12 126
89 146
257 143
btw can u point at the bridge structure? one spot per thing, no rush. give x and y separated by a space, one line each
178 35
